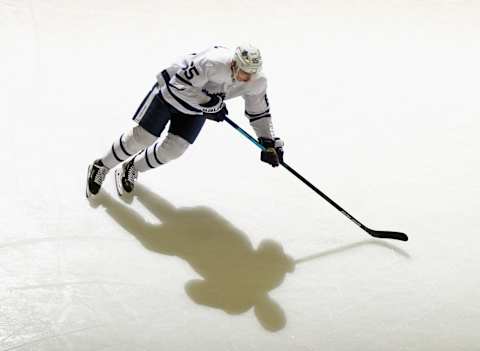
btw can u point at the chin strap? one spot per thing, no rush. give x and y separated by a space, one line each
234 68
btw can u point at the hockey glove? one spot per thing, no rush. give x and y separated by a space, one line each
273 153
215 109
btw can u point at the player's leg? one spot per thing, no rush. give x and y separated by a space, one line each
152 117
151 123
182 133
127 145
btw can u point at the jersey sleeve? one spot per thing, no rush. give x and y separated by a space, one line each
257 110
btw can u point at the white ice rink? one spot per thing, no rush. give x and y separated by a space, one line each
378 103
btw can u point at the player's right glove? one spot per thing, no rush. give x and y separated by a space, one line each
215 109
273 153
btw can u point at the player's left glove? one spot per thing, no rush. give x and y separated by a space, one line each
273 153
215 109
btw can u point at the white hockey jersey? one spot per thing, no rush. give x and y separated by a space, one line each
192 80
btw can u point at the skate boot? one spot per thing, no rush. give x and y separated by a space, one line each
95 177
125 177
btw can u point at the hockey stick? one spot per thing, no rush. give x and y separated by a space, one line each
375 233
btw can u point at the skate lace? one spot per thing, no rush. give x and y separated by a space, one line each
132 174
100 176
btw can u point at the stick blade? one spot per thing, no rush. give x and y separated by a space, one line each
381 234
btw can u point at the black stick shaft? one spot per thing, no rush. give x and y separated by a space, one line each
299 176
322 194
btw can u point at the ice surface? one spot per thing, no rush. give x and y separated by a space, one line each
378 104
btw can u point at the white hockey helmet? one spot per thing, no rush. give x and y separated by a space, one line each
248 58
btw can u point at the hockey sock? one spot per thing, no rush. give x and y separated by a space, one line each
160 153
127 145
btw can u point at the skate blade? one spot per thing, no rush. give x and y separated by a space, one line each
118 181
87 190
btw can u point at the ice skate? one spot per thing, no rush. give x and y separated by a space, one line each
125 177
95 176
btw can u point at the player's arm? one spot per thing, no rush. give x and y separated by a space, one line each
257 110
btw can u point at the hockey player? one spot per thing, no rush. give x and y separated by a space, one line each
186 94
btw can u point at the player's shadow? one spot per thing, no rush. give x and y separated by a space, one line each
235 275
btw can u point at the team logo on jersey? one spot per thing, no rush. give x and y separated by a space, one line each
220 94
